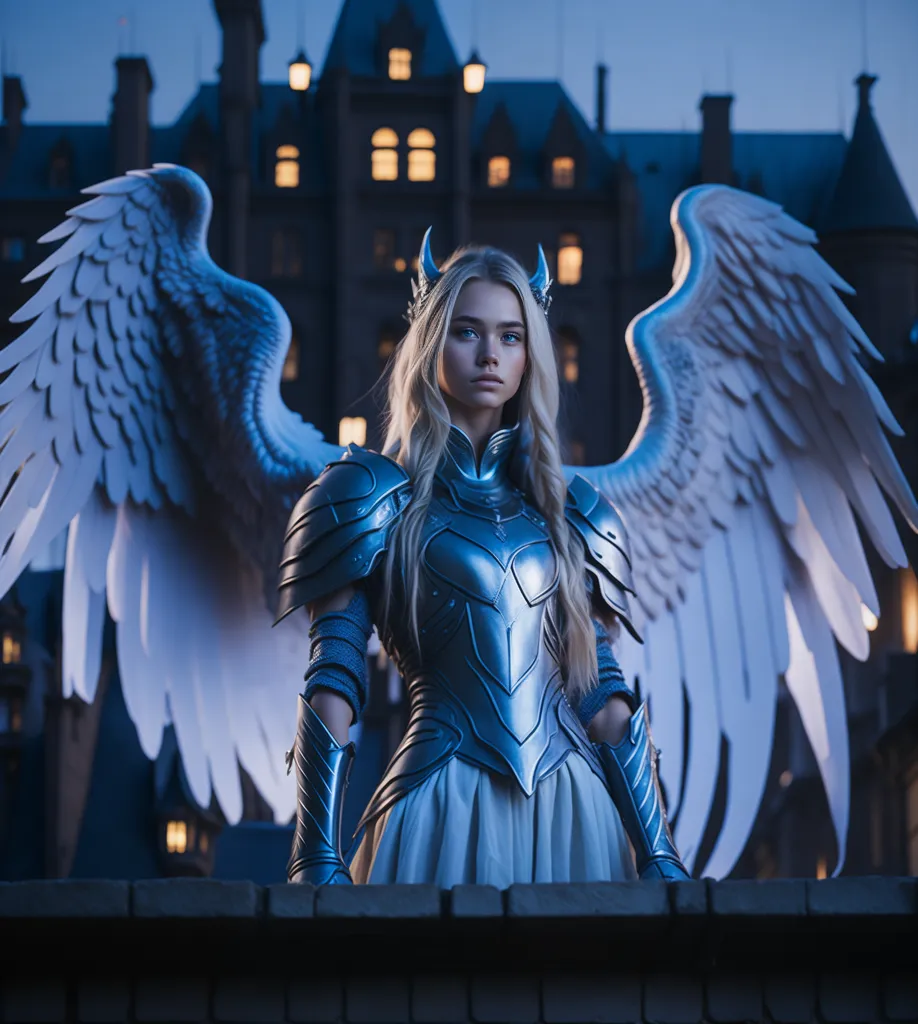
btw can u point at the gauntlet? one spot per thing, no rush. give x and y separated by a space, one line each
631 773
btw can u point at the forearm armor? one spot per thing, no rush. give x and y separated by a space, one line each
338 652
611 680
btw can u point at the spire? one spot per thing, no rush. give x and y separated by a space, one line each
868 193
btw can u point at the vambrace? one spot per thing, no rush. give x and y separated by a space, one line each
631 773
322 768
611 680
338 653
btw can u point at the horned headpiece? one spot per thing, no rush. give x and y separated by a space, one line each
429 273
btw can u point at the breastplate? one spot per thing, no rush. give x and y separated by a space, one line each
484 681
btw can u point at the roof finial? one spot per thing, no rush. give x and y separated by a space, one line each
864 83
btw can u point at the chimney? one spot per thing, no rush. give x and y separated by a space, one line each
716 140
602 73
131 114
14 103
243 36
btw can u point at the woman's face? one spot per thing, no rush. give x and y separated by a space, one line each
484 356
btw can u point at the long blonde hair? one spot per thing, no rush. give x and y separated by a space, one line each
417 427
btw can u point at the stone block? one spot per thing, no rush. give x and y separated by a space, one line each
296 901
476 901
591 998
505 998
183 1000
33 1002
672 999
868 896
65 898
900 997
848 998
779 898
375 999
588 899
790 998
315 1000
249 999
102 1001
733 997
195 898
380 901
689 899
440 998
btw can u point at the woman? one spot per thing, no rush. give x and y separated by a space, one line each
493 586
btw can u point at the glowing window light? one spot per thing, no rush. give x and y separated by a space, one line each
473 74
422 165
11 650
352 430
562 172
570 259
291 370
498 171
821 867
384 159
300 73
869 619
287 167
176 836
399 64
909 611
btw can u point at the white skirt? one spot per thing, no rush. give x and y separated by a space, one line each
463 824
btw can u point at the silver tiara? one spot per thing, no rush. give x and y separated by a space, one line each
429 274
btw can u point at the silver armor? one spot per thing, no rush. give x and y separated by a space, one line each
484 681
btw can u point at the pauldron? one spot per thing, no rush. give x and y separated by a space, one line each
340 527
607 554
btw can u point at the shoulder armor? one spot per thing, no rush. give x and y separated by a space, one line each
340 527
607 554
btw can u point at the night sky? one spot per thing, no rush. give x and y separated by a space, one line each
790 63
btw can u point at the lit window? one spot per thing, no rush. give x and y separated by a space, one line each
400 265
176 836
385 156
286 253
399 64
287 167
352 430
11 650
569 355
291 370
498 171
12 250
422 161
570 259
909 611
562 172
383 248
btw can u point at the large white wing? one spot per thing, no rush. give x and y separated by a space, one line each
761 435
142 407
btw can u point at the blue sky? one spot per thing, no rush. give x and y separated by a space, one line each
789 63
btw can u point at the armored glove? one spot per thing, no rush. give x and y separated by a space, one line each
631 773
322 769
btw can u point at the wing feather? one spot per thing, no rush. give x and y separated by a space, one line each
763 437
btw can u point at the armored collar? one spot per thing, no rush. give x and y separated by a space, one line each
460 459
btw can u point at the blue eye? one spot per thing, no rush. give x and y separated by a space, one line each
515 337
466 332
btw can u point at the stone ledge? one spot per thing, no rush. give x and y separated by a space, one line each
65 898
196 897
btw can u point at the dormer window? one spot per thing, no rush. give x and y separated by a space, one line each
384 159
399 64
287 167
562 172
422 160
498 171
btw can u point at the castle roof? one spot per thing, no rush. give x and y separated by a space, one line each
869 194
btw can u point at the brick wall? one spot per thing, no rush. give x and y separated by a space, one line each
203 950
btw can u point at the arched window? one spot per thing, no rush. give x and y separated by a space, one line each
287 167
422 160
498 171
569 354
384 160
570 259
562 172
399 64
